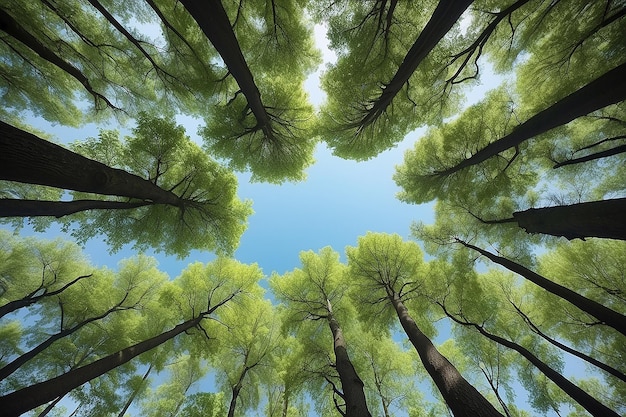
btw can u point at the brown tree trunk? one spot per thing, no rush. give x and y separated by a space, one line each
604 219
446 14
58 209
29 159
605 90
606 315
213 20
589 403
463 399
26 399
351 384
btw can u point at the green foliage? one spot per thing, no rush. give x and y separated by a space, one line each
82 67
208 214
371 39
204 404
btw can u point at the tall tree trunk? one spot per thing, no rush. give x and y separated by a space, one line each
609 88
14 29
50 406
606 315
35 296
233 401
213 20
351 384
609 369
26 399
285 403
16 363
463 399
598 155
133 395
32 208
29 159
589 403
446 14
604 219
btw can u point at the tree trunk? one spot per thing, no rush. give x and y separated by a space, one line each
213 20
598 155
15 364
609 369
604 219
14 29
26 399
32 298
606 315
50 406
233 400
463 399
29 159
351 384
605 90
130 399
446 14
589 403
285 403
58 209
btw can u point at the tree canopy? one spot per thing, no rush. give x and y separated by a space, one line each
511 302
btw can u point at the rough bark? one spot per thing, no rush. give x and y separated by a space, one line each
351 383
26 399
463 399
604 219
589 403
213 20
609 88
446 14
606 315
58 209
29 159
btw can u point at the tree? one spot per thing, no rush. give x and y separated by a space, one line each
386 269
170 183
203 404
245 353
196 294
605 90
605 315
457 306
99 51
184 371
33 270
313 293
387 373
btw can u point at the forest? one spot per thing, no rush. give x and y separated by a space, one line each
511 302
